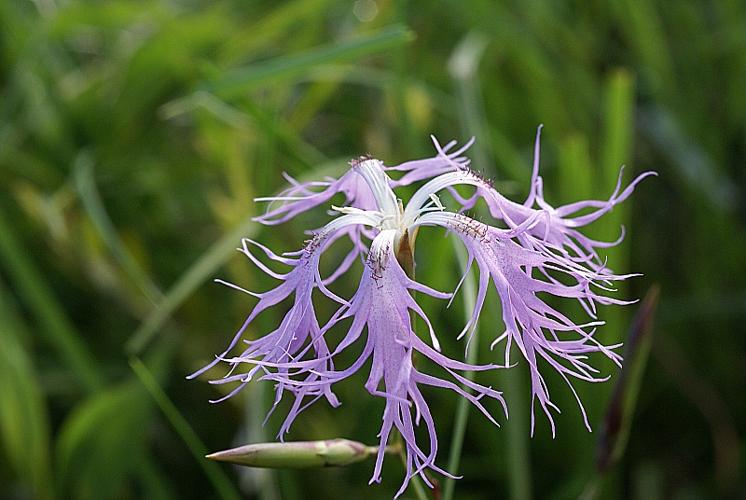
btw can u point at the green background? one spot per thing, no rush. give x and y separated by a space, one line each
134 136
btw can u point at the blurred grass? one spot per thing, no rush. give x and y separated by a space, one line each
24 421
133 136
239 81
217 477
47 311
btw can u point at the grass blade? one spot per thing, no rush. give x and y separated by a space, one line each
240 80
24 422
620 412
41 301
618 421
190 280
86 186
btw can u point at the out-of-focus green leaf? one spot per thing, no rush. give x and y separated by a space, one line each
54 324
463 65
100 442
189 281
690 160
266 30
616 151
241 120
24 426
236 82
106 17
576 169
619 120
86 185
154 480
641 23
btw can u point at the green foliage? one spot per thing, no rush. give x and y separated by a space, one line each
134 135
100 442
24 422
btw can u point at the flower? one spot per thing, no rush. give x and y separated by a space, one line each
538 253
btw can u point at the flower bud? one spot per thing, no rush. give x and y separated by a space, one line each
297 454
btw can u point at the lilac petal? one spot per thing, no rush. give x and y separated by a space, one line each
444 161
535 169
358 249
301 197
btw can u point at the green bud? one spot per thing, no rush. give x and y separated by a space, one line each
297 454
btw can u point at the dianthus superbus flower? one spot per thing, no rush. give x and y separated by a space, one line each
533 251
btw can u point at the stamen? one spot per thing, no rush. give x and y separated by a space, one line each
437 202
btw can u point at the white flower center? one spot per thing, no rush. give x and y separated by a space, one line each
393 215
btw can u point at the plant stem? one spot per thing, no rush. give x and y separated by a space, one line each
472 350
405 257
519 463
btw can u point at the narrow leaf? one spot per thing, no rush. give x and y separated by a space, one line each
618 420
54 324
240 80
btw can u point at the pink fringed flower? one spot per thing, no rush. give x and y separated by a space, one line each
539 252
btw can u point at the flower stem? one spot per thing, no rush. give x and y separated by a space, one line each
519 463
397 446
405 257
462 408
